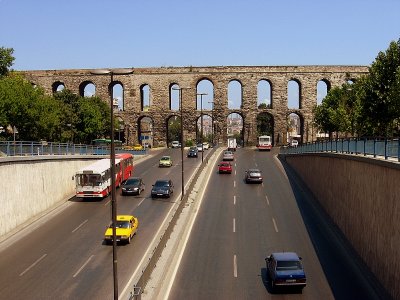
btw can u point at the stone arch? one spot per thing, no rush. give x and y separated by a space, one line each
265 124
204 86
294 94
235 126
57 86
264 94
173 125
145 130
207 127
323 87
83 88
235 94
145 99
174 101
116 89
295 126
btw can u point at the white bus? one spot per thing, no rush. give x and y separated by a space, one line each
264 143
94 181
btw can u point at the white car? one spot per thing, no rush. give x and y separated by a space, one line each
206 146
294 143
175 144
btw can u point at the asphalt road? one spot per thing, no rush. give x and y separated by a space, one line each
239 224
63 256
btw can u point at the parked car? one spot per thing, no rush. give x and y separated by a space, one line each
225 167
165 161
175 144
228 155
162 188
253 175
126 228
133 186
192 152
284 269
206 145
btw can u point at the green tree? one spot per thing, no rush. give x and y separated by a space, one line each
6 60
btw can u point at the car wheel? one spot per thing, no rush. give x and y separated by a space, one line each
129 239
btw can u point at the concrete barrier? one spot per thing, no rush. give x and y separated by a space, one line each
362 196
32 186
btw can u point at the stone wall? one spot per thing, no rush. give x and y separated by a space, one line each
361 195
160 81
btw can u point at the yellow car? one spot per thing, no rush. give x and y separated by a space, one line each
137 147
165 161
126 228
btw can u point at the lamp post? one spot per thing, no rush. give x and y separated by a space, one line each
182 146
113 72
212 122
201 123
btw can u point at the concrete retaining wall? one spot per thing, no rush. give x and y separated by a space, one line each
32 186
362 196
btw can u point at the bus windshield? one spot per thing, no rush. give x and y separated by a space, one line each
89 179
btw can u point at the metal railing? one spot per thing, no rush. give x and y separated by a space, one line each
382 148
26 148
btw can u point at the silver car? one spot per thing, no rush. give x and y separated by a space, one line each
228 155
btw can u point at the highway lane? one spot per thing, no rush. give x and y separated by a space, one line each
237 226
65 256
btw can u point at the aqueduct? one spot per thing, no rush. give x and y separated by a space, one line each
161 83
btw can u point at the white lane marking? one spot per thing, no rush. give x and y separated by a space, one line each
235 172
34 264
276 227
84 265
80 225
140 202
234 225
234 266
107 202
266 197
234 183
234 200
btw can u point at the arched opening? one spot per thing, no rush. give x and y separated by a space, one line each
235 95
174 129
234 127
205 95
57 86
145 97
323 87
174 101
118 95
87 89
204 135
265 125
119 130
294 128
264 94
294 96
145 132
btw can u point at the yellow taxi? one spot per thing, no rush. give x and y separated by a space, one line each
126 228
137 147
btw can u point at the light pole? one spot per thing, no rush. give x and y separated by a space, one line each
201 123
212 122
182 146
111 72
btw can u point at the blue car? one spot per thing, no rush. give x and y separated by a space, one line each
284 269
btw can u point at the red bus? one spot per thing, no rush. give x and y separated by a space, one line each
94 181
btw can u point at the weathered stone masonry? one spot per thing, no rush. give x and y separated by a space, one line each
160 80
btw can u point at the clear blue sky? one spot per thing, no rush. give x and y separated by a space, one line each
69 34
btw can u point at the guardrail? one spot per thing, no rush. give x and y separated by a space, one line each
385 148
26 148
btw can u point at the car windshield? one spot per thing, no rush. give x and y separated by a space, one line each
161 184
288 265
255 173
164 158
132 181
121 224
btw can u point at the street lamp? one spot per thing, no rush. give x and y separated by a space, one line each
201 122
212 122
182 146
113 72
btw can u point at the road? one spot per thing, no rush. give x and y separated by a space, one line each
239 224
65 257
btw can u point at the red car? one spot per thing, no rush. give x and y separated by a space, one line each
225 167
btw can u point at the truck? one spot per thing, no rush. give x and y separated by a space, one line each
264 143
232 144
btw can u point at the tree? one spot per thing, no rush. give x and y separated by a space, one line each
6 60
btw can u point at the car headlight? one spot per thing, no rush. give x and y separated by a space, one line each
135 189
124 189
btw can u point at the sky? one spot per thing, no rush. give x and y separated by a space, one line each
87 34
